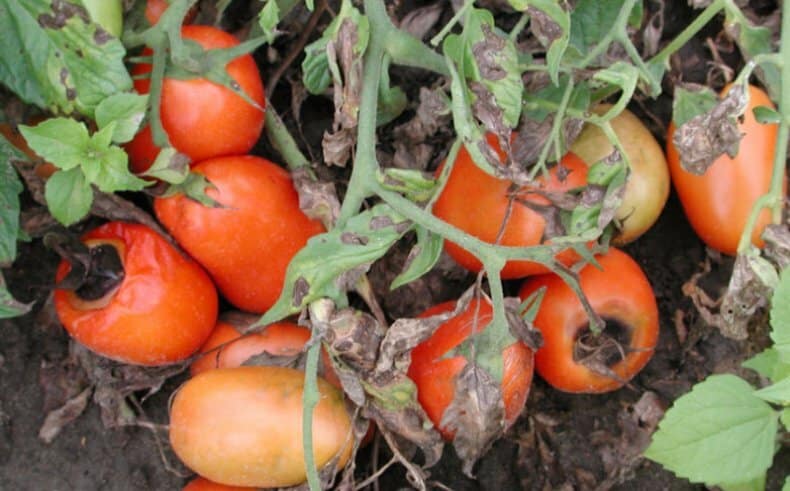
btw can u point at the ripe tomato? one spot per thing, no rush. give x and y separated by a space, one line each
155 8
162 311
477 203
202 484
245 245
243 426
647 188
434 372
621 294
718 203
203 119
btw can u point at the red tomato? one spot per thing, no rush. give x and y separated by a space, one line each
245 245
477 203
434 372
202 484
718 203
243 426
161 312
155 8
203 119
621 294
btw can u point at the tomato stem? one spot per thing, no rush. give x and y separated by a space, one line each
282 141
310 398
689 32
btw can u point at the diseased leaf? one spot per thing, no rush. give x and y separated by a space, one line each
415 185
752 41
591 21
127 110
688 104
63 142
10 187
552 26
421 259
69 196
718 433
780 316
498 70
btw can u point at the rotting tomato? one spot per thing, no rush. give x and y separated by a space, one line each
718 203
647 188
160 308
572 359
203 484
202 119
478 203
247 243
434 372
243 426
155 8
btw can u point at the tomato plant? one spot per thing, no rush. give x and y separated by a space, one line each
718 202
203 484
155 8
242 426
107 13
478 203
434 367
574 359
151 306
203 119
647 187
247 242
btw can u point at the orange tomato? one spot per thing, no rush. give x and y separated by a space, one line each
243 426
247 243
619 293
155 8
477 203
718 203
202 484
162 311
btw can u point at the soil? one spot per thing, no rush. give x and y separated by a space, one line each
562 441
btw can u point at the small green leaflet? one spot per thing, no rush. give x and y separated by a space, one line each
688 104
61 141
785 419
752 41
10 187
268 19
591 21
69 196
777 393
769 365
127 110
780 317
422 257
719 433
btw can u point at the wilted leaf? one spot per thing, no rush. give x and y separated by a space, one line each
317 199
422 257
418 22
62 416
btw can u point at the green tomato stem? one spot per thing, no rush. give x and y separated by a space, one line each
310 398
282 141
689 32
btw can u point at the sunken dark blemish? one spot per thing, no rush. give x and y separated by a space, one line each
301 289
379 222
61 13
101 36
353 239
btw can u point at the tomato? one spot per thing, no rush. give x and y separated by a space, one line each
434 372
107 13
202 484
247 243
155 8
203 119
161 312
243 426
718 203
647 188
619 293
477 203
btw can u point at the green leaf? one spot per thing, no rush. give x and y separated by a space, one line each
10 307
757 484
127 110
592 20
690 103
69 196
557 46
718 433
10 187
110 172
268 19
422 257
170 166
777 393
53 56
752 41
318 270
392 102
780 316
766 115
769 365
61 141
415 185
635 17
784 417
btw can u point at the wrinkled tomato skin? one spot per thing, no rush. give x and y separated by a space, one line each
247 243
155 8
619 292
477 203
162 312
202 484
202 119
718 203
243 426
434 373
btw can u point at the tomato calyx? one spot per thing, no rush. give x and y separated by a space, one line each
97 268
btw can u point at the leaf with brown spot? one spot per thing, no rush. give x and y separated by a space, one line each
317 199
58 418
418 22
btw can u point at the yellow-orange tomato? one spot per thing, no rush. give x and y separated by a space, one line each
647 188
243 426
247 243
718 203
162 311
478 203
202 484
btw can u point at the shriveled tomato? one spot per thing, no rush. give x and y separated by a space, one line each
572 359
161 311
247 243
243 426
203 119
155 8
647 188
477 203
203 484
718 203
434 372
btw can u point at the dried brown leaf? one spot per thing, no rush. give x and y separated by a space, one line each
420 21
58 418
317 199
543 27
337 146
777 245
532 136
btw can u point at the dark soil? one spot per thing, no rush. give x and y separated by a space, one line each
561 442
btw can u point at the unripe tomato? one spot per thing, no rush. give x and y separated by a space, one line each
243 426
435 373
247 243
477 203
162 311
202 484
647 188
203 119
619 293
718 203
